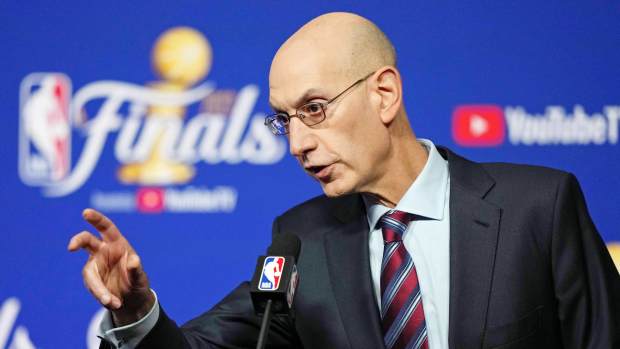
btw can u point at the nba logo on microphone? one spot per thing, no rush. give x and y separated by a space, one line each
44 128
478 125
272 273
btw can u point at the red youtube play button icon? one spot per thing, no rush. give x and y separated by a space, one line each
478 125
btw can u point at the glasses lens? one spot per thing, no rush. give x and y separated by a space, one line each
277 123
312 113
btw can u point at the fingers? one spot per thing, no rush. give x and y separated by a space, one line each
109 231
95 285
86 241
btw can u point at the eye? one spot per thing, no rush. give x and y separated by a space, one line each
282 118
278 123
313 109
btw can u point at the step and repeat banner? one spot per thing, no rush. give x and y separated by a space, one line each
152 112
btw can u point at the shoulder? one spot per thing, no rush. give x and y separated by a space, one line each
314 206
533 191
535 178
319 213
509 180
517 172
533 200
519 190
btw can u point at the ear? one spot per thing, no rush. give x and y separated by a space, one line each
387 91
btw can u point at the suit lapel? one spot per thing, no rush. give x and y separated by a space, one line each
346 248
474 227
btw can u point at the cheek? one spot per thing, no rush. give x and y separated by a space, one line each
369 143
360 141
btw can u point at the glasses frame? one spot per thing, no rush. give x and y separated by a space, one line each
269 120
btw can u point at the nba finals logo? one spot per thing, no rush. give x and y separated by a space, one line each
272 272
162 130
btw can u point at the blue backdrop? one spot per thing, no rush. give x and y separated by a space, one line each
89 122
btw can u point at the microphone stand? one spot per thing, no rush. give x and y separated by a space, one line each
264 327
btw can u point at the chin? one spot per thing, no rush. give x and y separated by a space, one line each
336 188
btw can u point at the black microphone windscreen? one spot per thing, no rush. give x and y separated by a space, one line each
285 245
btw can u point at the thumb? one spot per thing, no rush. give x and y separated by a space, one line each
135 271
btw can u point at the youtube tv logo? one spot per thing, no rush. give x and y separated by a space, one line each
478 125
150 199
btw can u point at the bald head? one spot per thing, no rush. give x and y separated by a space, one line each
363 141
336 43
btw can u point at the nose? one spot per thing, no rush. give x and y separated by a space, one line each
301 138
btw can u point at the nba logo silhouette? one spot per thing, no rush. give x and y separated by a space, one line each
272 272
44 128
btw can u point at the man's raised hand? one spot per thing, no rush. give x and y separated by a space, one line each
113 272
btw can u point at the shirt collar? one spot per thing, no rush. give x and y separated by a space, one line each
427 194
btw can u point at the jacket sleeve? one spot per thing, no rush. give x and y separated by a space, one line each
587 284
229 324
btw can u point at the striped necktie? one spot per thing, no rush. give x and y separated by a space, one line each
401 301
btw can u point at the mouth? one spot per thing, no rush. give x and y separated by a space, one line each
315 169
320 172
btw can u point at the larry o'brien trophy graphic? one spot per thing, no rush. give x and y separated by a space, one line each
181 57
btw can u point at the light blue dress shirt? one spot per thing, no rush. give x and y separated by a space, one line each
428 242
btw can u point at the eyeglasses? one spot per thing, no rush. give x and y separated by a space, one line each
310 113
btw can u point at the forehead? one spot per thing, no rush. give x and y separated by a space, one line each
295 74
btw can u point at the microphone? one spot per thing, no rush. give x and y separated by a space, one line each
275 281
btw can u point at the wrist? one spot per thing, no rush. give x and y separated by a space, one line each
131 312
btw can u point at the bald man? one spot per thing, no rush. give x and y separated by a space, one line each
411 246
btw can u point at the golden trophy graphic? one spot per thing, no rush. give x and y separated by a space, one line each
614 251
181 57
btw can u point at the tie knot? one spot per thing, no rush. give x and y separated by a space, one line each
393 225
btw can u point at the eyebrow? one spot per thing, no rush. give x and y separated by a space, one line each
311 92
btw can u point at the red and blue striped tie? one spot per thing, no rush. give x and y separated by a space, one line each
401 301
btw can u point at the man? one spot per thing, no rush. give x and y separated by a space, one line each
412 246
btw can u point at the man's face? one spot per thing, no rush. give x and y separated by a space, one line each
345 151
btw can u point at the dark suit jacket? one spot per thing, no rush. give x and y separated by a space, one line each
527 270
